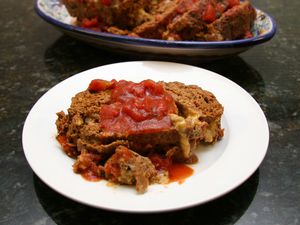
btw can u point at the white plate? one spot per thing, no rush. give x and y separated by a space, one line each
56 14
222 166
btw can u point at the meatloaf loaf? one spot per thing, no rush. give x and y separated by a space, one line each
113 127
202 20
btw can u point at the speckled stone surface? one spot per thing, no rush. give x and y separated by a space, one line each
34 57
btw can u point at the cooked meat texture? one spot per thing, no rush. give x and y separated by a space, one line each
80 126
200 107
198 120
169 20
234 24
121 13
128 167
185 26
180 20
89 164
106 154
164 14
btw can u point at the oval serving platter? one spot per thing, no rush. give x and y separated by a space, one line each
55 13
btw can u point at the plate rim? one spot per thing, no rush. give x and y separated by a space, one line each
161 43
240 181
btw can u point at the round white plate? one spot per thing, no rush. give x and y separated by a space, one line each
221 167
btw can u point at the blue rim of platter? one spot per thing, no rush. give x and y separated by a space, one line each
267 31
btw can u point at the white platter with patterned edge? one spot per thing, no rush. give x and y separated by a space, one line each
56 14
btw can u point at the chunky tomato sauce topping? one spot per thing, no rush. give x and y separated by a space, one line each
214 9
233 3
101 85
135 107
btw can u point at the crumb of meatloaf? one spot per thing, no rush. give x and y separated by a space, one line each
128 167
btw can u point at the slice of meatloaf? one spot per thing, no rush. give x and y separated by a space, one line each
79 131
165 12
128 167
200 20
122 13
235 23
194 20
195 117
200 110
198 120
223 22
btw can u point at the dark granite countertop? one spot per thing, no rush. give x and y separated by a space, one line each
34 57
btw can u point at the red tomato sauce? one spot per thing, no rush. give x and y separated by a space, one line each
214 9
177 171
233 3
135 107
90 175
88 167
106 2
209 15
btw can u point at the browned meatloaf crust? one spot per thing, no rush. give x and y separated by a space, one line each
165 19
235 23
198 119
122 13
